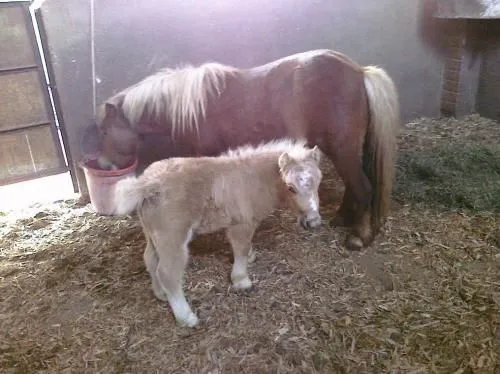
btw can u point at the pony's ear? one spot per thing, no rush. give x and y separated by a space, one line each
110 110
113 105
284 161
315 154
100 114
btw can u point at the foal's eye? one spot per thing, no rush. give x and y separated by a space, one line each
292 189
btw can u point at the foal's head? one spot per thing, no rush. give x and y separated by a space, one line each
301 176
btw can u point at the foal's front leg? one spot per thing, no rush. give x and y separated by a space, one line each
240 237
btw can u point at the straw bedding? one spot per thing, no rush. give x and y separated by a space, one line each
424 298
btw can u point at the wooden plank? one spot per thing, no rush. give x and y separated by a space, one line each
26 152
22 100
15 46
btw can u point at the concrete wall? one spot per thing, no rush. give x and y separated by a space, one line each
67 25
133 41
135 38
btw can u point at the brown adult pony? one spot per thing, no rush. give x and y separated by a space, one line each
349 111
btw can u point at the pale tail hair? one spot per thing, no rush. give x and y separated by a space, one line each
128 194
379 161
180 95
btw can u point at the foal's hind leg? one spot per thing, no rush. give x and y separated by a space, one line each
251 254
240 237
151 260
172 249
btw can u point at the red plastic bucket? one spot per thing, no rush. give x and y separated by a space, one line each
101 184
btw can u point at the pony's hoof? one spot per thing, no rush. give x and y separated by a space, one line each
354 243
243 284
190 321
251 256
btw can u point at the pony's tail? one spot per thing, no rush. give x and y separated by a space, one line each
380 146
127 196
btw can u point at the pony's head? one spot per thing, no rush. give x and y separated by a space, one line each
301 176
118 140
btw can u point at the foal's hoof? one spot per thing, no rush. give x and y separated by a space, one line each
354 243
190 321
242 284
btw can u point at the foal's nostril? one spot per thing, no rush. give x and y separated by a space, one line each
314 222
310 223
303 223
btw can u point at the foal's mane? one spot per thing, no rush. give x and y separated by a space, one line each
296 148
178 94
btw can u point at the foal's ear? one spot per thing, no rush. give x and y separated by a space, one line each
284 160
315 154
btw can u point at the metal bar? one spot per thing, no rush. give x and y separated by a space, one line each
31 176
11 129
44 84
18 69
55 96
92 56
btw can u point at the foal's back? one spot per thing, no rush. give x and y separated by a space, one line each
210 192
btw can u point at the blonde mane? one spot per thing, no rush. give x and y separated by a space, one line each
180 94
296 148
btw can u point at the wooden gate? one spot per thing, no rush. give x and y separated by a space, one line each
30 137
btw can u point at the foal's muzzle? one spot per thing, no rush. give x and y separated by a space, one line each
310 222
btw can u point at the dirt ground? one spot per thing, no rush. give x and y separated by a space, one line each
75 296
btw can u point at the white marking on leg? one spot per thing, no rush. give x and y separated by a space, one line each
176 298
239 274
182 311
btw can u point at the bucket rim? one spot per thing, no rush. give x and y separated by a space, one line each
108 173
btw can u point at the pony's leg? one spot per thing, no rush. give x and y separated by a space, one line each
240 237
349 166
346 213
151 260
172 249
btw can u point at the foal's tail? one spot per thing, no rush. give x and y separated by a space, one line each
127 196
380 145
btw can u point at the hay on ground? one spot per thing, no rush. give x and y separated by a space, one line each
425 298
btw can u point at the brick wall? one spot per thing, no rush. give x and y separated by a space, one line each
455 38
471 79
